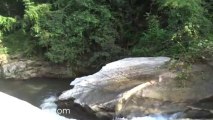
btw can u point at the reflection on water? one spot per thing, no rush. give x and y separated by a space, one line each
34 90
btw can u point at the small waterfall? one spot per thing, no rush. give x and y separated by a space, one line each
49 105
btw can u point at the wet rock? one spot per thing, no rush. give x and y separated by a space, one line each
139 107
77 111
205 103
197 114
200 110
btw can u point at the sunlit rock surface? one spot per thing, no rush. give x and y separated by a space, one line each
115 82
16 109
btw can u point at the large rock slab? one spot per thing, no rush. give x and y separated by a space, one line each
107 88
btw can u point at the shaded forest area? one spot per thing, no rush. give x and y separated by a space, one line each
89 33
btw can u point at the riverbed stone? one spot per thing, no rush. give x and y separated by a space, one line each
136 87
200 109
106 89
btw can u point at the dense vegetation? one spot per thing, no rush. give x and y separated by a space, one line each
88 33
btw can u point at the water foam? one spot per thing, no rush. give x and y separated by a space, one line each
48 105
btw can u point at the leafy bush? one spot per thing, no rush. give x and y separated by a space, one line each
186 33
6 23
154 40
77 32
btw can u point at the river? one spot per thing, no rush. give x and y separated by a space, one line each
35 90
39 91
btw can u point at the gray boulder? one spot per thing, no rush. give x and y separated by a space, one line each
137 87
115 83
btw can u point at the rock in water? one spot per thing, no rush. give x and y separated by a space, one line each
137 87
116 82
16 109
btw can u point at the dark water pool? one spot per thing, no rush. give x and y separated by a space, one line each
34 90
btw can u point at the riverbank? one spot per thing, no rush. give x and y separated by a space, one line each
22 68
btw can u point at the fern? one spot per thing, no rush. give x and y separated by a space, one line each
33 13
7 23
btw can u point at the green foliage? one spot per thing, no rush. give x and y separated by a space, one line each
21 44
151 40
184 71
33 13
13 38
192 26
6 23
11 8
186 35
78 32
91 32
